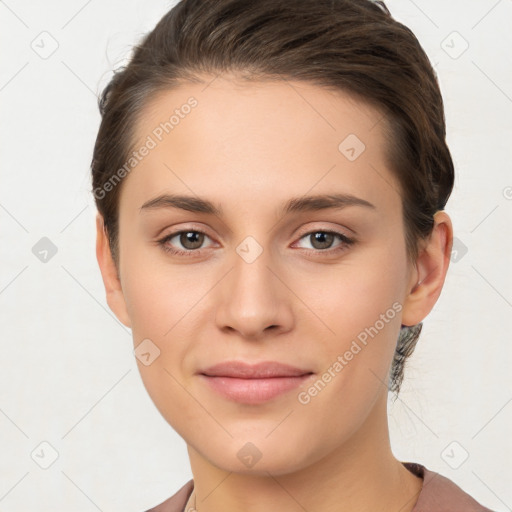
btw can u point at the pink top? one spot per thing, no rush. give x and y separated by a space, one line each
438 494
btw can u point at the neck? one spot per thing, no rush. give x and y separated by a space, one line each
360 475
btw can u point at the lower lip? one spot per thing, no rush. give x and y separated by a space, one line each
254 391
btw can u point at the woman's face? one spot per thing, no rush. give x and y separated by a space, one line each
272 275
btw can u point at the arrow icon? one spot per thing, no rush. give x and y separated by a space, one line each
146 352
44 455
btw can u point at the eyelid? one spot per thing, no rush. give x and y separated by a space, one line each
322 227
175 230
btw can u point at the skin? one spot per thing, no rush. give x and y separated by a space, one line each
250 147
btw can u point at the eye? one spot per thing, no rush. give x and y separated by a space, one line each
322 240
191 240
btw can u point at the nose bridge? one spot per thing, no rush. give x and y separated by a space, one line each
251 298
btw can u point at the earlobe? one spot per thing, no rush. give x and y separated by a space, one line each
431 268
109 274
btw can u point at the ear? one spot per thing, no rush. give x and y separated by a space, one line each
111 281
431 267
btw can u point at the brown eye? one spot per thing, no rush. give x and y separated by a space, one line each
191 239
321 239
184 243
324 241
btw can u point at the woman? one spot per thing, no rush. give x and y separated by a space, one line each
271 178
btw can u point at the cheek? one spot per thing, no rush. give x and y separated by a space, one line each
164 307
146 303
156 295
351 296
158 310
358 305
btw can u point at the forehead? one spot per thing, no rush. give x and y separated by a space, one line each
270 135
231 103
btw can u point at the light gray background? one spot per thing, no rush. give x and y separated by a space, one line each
67 372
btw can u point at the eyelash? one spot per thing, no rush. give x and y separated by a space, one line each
346 242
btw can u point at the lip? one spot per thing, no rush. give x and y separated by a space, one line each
262 370
253 383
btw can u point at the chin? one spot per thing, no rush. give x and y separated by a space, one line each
257 457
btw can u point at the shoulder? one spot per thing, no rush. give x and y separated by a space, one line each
177 502
440 494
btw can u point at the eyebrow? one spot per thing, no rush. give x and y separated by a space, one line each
294 205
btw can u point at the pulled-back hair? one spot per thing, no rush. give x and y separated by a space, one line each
353 46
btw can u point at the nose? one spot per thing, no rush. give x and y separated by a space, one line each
252 299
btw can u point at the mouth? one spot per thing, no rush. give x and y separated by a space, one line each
253 384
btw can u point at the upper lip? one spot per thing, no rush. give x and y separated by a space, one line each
265 369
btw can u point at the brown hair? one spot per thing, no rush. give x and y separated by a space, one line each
354 46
